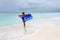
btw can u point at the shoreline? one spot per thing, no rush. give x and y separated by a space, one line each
43 19
35 30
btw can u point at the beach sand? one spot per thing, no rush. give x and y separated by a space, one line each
48 33
45 30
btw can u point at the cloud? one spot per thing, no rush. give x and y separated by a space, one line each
29 5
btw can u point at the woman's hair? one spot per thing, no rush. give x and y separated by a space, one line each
23 12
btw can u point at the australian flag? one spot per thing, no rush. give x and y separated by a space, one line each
27 17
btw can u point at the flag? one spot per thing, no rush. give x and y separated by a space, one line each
27 17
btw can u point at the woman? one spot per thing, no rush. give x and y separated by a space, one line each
24 21
25 17
22 16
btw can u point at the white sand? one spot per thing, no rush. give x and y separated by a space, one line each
49 33
48 29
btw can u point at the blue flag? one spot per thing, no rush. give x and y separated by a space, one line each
27 17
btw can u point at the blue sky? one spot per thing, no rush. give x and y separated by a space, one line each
29 5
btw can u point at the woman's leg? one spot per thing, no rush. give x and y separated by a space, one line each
24 26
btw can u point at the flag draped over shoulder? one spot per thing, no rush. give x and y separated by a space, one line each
27 17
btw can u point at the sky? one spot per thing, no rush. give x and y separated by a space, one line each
30 5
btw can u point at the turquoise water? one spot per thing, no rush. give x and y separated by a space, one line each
12 18
9 18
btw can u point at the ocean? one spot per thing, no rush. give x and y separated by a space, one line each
12 18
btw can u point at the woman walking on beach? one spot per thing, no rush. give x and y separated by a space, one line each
23 14
25 17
